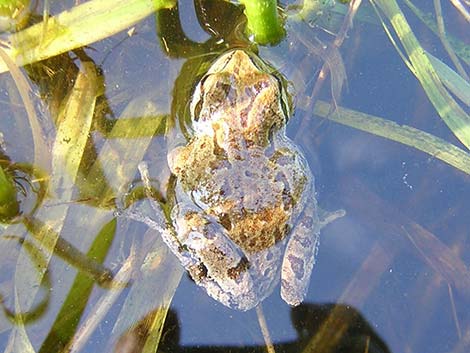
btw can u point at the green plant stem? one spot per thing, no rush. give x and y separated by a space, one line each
263 20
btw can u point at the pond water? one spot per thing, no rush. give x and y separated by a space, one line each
390 276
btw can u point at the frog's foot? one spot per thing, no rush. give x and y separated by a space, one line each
231 295
144 174
301 251
154 219
326 217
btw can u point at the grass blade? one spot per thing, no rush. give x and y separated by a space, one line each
406 135
82 25
448 109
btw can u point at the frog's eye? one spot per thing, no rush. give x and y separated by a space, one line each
196 108
285 101
197 100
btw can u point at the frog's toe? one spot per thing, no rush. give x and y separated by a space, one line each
326 217
294 283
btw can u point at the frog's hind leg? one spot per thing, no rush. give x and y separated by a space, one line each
216 263
301 251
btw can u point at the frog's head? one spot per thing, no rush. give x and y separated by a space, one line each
240 95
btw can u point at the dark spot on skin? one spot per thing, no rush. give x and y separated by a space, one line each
225 188
269 256
219 151
297 266
285 284
188 215
269 150
260 85
287 200
224 220
267 272
278 235
242 266
307 222
305 242
287 229
280 232
198 272
223 87
244 117
248 173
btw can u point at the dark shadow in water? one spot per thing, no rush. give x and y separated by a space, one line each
321 328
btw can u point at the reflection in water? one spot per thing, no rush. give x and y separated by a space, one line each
326 328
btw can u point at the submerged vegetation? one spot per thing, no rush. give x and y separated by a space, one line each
84 101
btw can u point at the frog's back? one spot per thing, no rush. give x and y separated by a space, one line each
256 193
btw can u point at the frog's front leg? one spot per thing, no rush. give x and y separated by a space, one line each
301 251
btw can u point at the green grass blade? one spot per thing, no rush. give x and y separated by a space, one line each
24 89
73 132
160 275
38 261
452 80
72 309
461 48
448 109
80 26
109 170
432 145
67 153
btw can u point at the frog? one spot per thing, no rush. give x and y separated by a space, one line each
245 216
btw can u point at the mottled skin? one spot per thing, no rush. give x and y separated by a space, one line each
245 215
